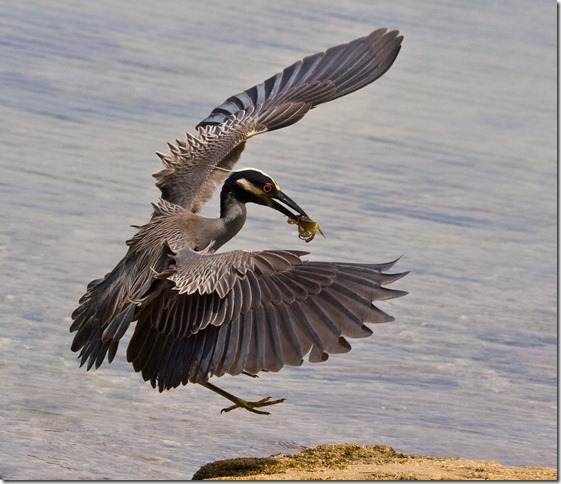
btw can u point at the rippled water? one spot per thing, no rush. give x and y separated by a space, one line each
449 159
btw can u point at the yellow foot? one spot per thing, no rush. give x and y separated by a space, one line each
239 403
253 406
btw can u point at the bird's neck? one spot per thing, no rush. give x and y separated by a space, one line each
232 217
231 208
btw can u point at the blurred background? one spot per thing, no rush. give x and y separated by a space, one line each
450 159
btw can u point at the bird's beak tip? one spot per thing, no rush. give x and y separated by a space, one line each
286 200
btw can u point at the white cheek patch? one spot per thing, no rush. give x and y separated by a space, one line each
250 187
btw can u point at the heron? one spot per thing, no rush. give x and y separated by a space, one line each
200 313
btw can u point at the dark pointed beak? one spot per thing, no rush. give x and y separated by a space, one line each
281 197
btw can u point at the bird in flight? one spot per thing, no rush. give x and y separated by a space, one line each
200 313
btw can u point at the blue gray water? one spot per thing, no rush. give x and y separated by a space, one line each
449 159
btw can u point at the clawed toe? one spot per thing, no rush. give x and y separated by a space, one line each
253 406
239 403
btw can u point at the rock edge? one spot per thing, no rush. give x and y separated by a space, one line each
364 462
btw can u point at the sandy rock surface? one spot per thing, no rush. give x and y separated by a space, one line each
364 462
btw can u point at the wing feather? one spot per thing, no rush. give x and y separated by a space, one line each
277 310
293 349
246 330
255 359
210 314
195 166
274 359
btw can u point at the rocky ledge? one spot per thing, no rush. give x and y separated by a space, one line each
364 462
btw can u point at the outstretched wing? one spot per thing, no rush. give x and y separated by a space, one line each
190 172
109 305
252 311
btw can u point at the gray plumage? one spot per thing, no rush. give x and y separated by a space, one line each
190 177
200 313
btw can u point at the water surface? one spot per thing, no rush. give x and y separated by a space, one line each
449 159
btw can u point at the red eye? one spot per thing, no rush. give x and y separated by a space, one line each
267 187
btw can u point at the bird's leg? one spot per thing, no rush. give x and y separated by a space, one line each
246 373
239 403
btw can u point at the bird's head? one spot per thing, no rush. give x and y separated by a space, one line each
254 186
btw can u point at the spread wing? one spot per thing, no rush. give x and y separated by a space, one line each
190 172
252 311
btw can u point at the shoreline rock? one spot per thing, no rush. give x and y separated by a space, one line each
364 462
